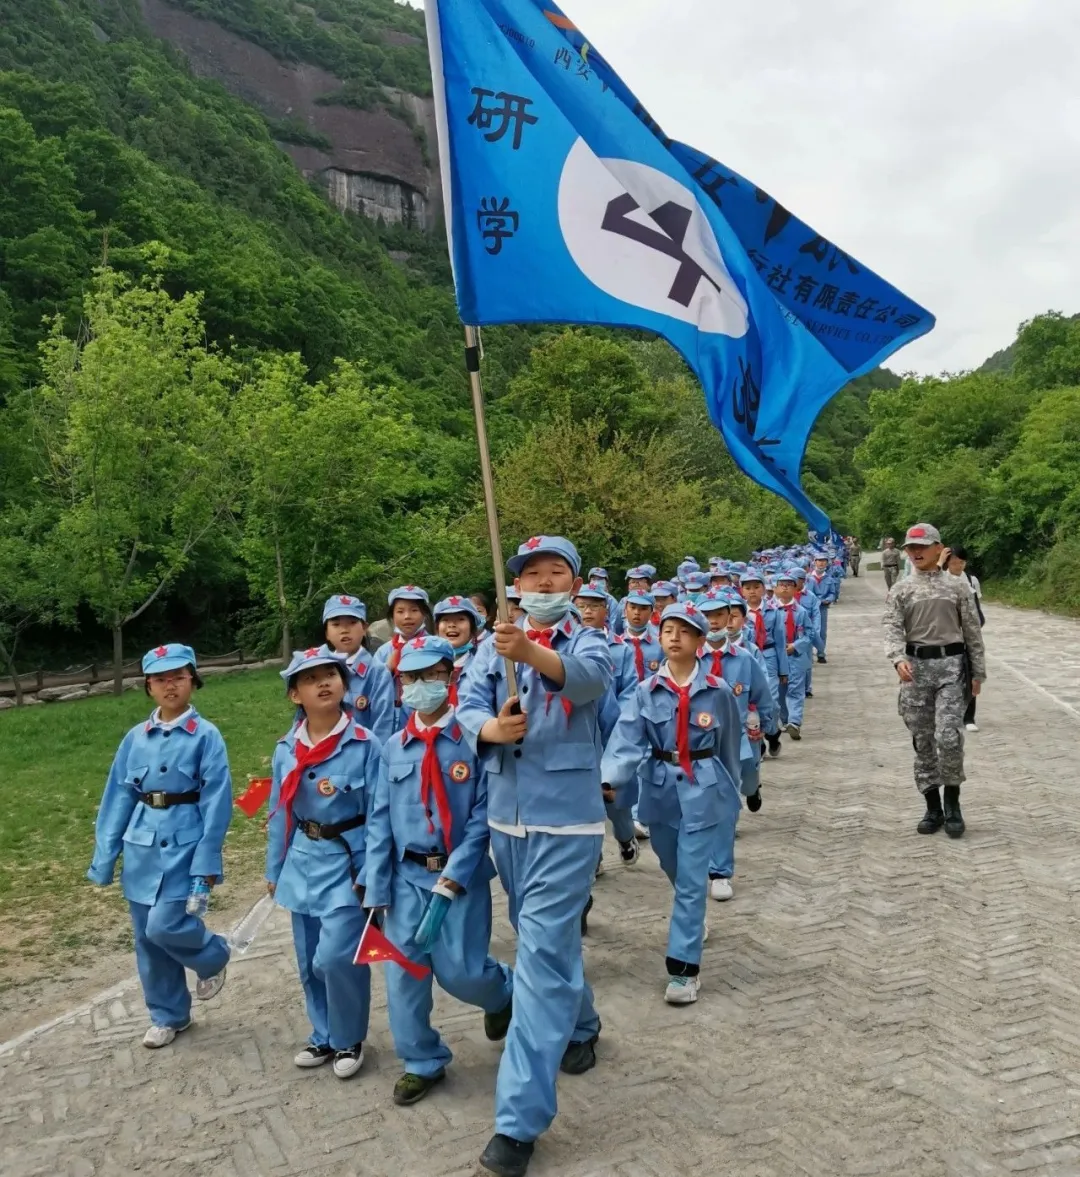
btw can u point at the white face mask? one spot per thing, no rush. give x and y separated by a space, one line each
547 608
425 697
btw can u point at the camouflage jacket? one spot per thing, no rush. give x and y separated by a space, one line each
927 586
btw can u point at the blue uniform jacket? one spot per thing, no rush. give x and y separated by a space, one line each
749 683
313 877
164 848
399 822
805 634
775 638
553 779
648 721
651 654
401 713
371 693
811 602
824 587
622 685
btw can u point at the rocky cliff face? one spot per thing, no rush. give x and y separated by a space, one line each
376 164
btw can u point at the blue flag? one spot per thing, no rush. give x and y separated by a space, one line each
565 202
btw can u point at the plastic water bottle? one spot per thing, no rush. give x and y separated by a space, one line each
198 899
241 937
753 724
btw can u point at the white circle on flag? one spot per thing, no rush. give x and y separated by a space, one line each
657 251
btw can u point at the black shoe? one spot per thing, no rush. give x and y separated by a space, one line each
412 1088
585 917
809 694
579 1057
954 819
506 1156
774 744
497 1025
822 659
933 819
628 852
753 801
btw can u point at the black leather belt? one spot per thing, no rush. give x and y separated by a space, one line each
431 862
948 651
673 757
159 800
323 831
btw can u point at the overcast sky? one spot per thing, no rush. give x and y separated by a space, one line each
938 141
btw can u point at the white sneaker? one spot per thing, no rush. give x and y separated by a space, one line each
210 987
313 1056
682 990
158 1036
720 889
641 831
348 1062
705 932
972 727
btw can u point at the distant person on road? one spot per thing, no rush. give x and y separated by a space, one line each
958 567
854 556
890 562
932 637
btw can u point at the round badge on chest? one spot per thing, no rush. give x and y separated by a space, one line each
459 772
361 703
737 688
654 665
325 787
705 719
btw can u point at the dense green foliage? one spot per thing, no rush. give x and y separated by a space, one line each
993 458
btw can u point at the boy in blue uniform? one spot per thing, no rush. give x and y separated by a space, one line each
370 693
546 813
677 745
428 868
640 634
167 805
458 620
408 610
324 774
598 579
823 585
765 629
799 636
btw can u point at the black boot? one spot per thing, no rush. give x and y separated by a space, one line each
506 1156
933 818
954 819
585 917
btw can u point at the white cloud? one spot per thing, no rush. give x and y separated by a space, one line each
936 140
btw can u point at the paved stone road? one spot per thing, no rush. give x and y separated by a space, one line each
874 1003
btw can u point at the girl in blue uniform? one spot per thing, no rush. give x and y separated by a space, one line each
167 805
409 612
370 692
324 774
428 867
677 745
459 622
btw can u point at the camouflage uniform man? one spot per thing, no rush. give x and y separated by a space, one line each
890 562
931 627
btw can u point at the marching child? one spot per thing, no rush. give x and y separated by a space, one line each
765 628
428 867
677 745
167 805
800 636
546 814
324 775
409 612
458 621
370 693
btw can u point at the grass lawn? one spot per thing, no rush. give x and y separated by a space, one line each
53 763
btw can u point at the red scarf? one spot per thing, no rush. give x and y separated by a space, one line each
789 622
397 643
759 628
682 724
639 657
452 696
717 663
305 758
431 780
543 637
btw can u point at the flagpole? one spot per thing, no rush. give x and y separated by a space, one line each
472 365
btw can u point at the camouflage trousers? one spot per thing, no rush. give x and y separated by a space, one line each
933 708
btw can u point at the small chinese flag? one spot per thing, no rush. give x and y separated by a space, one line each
254 796
374 948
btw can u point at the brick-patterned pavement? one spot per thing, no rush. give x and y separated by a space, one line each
874 1002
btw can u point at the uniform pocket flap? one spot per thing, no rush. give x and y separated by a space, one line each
186 835
401 769
139 836
562 756
136 777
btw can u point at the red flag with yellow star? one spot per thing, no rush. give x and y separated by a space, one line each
374 948
252 798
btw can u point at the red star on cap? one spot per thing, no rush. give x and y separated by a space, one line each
690 610
455 600
533 543
345 600
410 588
417 643
312 653
161 651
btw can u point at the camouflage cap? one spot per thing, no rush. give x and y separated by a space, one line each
922 535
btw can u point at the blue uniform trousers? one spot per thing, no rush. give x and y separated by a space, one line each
684 858
622 821
772 671
168 940
337 993
459 961
547 878
824 627
793 696
722 863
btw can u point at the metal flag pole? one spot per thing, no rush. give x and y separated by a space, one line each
472 364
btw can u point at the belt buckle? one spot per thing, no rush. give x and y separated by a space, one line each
157 800
435 862
311 829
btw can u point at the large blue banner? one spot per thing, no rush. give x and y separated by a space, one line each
567 203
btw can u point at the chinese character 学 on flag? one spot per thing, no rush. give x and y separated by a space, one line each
374 948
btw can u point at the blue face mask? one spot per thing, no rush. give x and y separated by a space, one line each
547 608
716 637
424 697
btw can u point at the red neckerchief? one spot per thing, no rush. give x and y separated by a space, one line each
789 622
431 780
306 757
397 643
717 663
639 657
759 628
682 724
656 617
543 637
452 696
